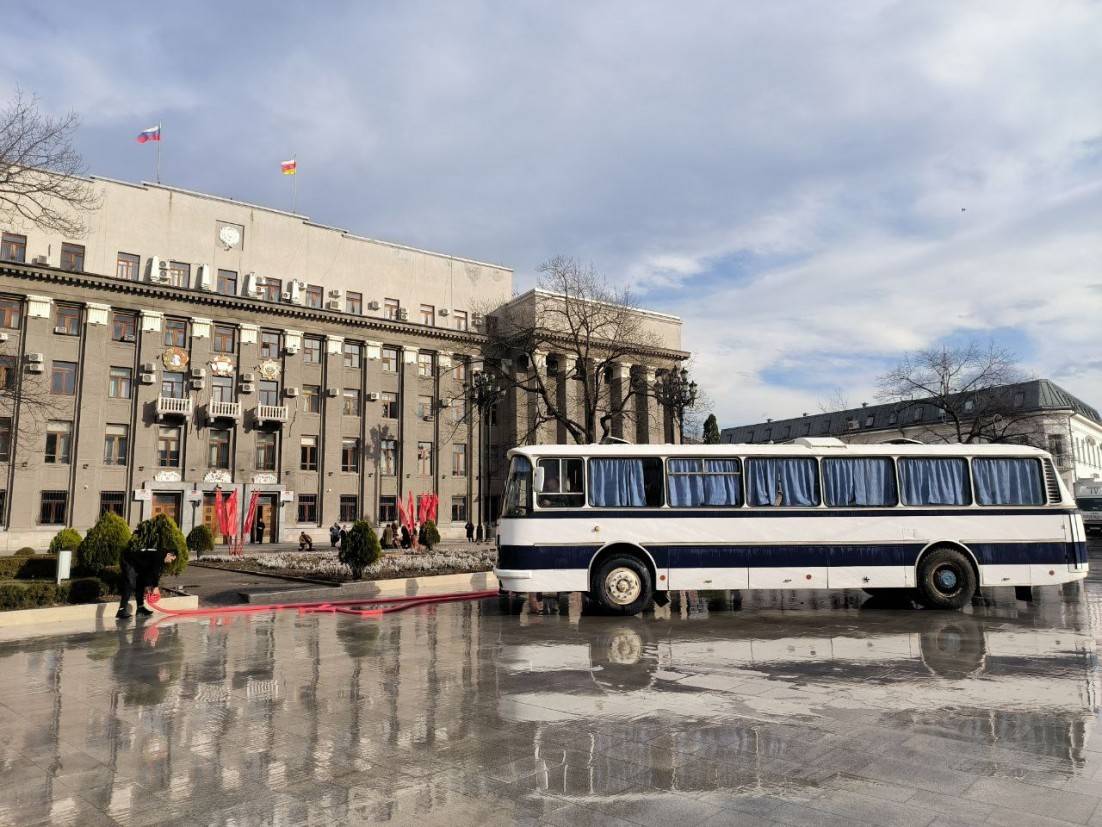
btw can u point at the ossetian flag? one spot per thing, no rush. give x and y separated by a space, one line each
151 134
289 167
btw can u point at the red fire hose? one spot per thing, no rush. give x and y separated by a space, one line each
363 607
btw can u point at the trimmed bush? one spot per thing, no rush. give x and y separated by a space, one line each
162 534
360 549
104 543
85 590
27 568
35 594
26 551
432 535
68 539
200 539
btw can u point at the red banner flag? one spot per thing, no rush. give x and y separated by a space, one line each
251 515
409 514
231 513
220 513
402 513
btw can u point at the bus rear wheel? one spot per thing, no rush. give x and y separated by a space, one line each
946 580
623 585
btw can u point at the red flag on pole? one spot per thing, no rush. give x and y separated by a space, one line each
251 515
220 512
402 514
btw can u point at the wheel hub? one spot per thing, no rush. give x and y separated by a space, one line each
946 579
623 586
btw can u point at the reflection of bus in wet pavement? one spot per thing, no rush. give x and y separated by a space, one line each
786 695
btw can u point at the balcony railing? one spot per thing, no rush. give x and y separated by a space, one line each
271 413
173 406
223 410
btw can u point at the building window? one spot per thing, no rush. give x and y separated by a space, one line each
120 384
11 313
59 442
5 439
460 317
268 392
270 344
388 509
63 379
124 327
459 509
115 442
172 385
428 315
311 350
350 454
350 508
424 458
353 354
424 407
1019 399
218 450
72 257
224 339
168 447
13 248
54 506
68 320
221 389
459 369
869 420
459 409
893 418
917 414
388 457
314 296
308 453
9 373
424 365
128 267
390 405
226 282
271 289
265 451
459 459
112 501
390 359
1056 447
308 508
311 398
353 302
351 405
179 274
391 308
175 333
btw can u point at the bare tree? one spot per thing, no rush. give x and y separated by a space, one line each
972 389
588 329
42 181
679 395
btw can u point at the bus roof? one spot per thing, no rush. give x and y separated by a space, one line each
814 447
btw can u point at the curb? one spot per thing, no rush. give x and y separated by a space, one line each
398 587
85 617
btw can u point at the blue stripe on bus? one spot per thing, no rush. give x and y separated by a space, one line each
788 556
736 511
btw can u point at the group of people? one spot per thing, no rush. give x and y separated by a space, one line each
394 536
476 535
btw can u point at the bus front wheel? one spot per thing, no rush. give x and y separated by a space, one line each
946 580
623 585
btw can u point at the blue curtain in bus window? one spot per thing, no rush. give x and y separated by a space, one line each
695 483
934 481
1008 481
686 483
783 482
722 484
866 481
617 482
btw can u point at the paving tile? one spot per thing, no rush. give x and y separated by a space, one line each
1038 801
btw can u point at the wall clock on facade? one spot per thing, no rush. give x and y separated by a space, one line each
230 236
268 369
175 358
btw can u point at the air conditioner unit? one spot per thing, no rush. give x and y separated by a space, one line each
373 305
3 337
373 396
333 304
41 260
443 311
334 294
147 367
248 377
403 314
427 417
196 384
285 295
198 373
161 274
297 288
129 337
155 267
247 387
36 367
205 281
146 378
476 319
292 392
36 358
331 393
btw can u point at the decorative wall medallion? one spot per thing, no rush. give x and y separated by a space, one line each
265 479
221 366
218 475
175 358
268 369
167 476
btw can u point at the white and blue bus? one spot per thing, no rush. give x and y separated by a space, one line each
630 523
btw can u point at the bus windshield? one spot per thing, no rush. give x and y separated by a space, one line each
518 490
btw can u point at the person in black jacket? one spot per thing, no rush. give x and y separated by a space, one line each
470 531
141 570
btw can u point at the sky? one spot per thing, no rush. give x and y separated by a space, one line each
815 188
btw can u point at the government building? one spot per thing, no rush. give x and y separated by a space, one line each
189 342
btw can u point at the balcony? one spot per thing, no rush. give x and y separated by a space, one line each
271 413
223 410
173 406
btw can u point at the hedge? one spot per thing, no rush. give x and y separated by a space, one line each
43 567
34 594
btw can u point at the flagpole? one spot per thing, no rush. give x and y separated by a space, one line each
157 170
294 184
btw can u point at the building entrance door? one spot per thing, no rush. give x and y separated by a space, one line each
265 529
210 518
167 504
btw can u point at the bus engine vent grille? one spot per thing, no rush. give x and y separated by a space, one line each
1052 484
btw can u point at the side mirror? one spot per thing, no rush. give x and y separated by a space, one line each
537 479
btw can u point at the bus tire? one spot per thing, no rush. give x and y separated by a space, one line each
622 585
946 579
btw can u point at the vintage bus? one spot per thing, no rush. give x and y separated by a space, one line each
630 523
1088 496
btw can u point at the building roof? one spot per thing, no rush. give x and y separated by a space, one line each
1038 396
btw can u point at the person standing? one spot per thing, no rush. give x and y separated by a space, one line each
470 531
259 530
479 533
388 536
406 539
334 534
141 571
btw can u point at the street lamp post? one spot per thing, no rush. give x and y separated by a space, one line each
485 392
678 393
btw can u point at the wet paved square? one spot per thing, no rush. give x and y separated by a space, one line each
792 708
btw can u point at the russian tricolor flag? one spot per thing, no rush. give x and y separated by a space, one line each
151 134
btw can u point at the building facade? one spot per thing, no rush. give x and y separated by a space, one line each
188 343
1044 415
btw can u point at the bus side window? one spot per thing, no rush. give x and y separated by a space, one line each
562 484
784 481
634 482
